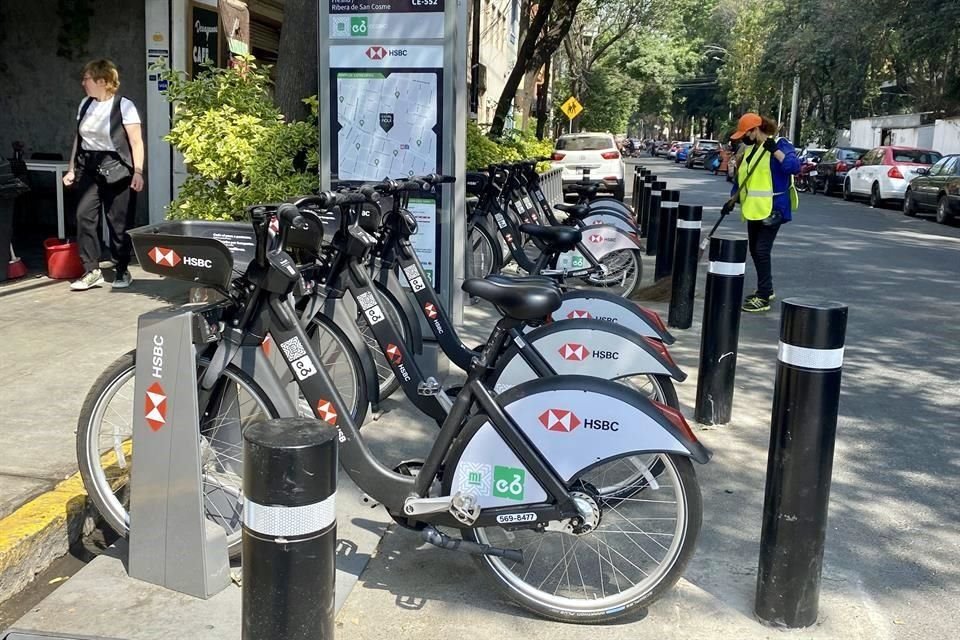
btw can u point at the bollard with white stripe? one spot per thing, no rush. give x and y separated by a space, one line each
684 284
289 530
666 234
653 216
645 196
721 330
635 190
803 429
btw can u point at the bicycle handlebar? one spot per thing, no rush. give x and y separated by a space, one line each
290 216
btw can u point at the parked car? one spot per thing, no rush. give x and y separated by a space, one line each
596 152
883 173
662 148
682 152
674 147
936 188
833 167
699 150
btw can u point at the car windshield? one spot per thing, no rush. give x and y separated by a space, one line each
918 156
707 145
815 154
584 143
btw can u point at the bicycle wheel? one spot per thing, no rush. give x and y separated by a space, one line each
105 444
637 548
342 363
486 256
624 271
388 379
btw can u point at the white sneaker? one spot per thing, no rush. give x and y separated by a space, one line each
89 280
123 281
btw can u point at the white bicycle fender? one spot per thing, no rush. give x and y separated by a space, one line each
600 305
575 422
601 239
587 347
612 219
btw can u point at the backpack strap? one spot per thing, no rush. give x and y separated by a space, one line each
119 135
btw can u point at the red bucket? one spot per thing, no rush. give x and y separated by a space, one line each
63 259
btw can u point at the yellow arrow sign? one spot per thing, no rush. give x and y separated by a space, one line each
571 108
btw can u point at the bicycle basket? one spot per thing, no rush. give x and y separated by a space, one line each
207 253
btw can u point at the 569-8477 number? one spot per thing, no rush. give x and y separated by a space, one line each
516 518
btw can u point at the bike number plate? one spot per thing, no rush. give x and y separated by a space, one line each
813 173
517 518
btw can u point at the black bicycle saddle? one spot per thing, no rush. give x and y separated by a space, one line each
517 300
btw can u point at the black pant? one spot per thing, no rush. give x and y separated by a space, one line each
119 202
760 238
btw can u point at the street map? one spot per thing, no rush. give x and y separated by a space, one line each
387 122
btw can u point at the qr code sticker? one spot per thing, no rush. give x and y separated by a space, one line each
293 349
374 314
366 300
417 284
303 367
411 271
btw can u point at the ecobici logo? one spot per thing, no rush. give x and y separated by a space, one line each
358 26
508 482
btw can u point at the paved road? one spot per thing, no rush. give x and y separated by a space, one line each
894 512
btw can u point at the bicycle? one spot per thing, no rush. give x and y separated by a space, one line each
517 474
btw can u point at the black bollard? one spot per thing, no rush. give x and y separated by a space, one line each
689 219
803 429
667 233
721 330
635 191
644 212
653 216
289 530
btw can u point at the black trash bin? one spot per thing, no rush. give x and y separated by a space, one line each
10 188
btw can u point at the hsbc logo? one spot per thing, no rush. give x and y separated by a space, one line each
596 238
393 354
573 351
559 420
155 407
606 355
601 425
576 314
164 257
170 258
379 53
326 412
431 310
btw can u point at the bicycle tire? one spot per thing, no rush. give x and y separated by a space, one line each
588 611
487 249
630 281
100 489
360 397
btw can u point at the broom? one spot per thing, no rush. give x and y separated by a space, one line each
662 289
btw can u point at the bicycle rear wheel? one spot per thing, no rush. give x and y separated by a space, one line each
388 379
624 272
105 444
486 253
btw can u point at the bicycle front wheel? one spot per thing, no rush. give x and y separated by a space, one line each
638 549
624 271
105 444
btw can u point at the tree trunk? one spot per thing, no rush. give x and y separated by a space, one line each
543 110
296 71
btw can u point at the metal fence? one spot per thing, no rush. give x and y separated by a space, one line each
552 184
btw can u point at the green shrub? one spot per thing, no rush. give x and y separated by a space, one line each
237 147
514 145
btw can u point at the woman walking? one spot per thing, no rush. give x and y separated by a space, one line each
106 164
766 194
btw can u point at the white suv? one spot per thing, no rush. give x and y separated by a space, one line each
597 153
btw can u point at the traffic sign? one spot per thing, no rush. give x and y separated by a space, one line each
571 108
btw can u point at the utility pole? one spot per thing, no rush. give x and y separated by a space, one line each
794 108
780 107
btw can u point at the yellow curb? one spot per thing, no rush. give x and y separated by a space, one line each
42 530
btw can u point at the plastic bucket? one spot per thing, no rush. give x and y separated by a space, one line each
63 259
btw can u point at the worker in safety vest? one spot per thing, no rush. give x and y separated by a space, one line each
767 197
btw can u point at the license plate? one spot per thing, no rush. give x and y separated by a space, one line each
813 173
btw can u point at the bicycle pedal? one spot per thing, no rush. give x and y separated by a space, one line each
464 508
430 387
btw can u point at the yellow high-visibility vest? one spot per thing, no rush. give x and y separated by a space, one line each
756 192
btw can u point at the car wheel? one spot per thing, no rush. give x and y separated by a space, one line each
875 200
909 206
943 210
847 195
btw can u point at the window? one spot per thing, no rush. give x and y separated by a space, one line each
941 167
585 143
850 155
950 164
917 156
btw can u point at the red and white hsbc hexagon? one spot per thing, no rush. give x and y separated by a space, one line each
573 351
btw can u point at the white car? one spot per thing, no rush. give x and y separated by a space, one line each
594 155
883 173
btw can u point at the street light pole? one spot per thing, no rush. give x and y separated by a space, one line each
794 108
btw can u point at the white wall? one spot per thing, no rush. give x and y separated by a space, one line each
862 133
946 136
499 38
